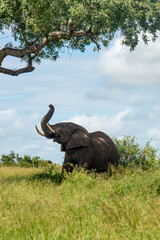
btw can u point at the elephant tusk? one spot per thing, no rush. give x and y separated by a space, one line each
49 127
42 134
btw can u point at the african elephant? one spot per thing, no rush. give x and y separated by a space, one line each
93 150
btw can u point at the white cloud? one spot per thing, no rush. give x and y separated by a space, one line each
98 94
121 68
10 121
113 126
154 136
24 147
154 133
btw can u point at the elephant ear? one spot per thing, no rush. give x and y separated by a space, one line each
78 139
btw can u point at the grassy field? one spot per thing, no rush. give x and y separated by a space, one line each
36 204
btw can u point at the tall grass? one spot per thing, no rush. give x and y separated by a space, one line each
37 204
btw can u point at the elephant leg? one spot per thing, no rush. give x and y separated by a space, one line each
84 157
67 165
113 161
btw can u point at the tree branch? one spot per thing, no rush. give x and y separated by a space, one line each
94 40
29 68
80 33
72 29
16 72
20 53
78 24
36 48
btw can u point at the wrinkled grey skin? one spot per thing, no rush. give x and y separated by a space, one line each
93 150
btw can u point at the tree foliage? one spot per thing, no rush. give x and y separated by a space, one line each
43 28
132 154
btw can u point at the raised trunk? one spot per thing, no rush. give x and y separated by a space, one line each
45 120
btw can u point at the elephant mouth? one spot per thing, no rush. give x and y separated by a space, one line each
56 139
49 127
50 134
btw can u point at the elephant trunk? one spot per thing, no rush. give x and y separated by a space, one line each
45 120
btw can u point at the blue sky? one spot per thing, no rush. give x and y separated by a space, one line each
115 91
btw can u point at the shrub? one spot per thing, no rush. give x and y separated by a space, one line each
8 160
132 154
13 159
26 161
35 161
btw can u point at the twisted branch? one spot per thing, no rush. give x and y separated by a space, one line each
29 68
20 53
36 48
16 72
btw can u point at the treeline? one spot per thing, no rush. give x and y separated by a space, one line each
130 154
13 159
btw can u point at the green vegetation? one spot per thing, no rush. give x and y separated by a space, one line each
36 203
42 29
132 154
13 159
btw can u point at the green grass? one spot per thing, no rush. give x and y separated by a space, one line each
37 204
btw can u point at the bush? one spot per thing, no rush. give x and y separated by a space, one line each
8 160
35 161
25 161
132 154
13 159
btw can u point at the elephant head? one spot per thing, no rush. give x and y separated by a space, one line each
68 134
